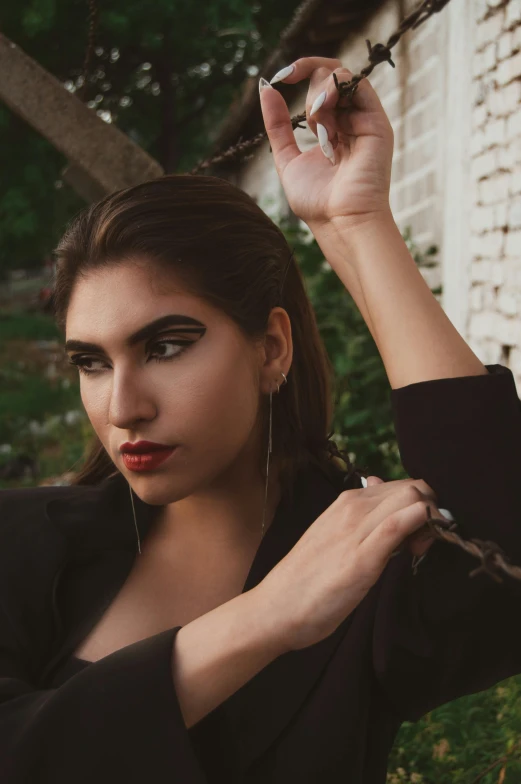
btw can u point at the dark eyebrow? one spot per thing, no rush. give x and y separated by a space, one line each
142 334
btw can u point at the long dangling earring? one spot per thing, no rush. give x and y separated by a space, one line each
270 449
135 521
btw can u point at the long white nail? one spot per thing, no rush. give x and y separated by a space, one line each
363 481
447 514
317 103
325 144
263 83
280 75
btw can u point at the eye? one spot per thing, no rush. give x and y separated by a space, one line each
82 360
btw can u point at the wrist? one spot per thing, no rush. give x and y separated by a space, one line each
346 241
343 224
354 247
272 627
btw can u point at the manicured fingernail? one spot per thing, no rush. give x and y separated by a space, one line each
447 514
280 75
325 144
263 83
363 481
317 103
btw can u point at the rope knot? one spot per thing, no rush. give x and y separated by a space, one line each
379 53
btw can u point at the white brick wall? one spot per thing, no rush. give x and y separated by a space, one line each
494 323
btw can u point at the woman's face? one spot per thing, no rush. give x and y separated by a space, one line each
199 390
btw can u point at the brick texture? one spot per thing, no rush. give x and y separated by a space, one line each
494 324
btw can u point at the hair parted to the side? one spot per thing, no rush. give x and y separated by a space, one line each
226 250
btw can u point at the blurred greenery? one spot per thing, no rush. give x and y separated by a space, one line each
18 325
165 73
363 421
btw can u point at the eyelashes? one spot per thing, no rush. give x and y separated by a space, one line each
80 360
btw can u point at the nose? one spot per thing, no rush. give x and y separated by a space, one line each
130 400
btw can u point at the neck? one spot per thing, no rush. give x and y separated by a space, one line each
228 512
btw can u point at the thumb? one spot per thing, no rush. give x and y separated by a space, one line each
277 122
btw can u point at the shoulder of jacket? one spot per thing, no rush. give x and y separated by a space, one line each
22 512
32 551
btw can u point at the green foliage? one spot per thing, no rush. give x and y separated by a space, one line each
457 742
25 397
363 422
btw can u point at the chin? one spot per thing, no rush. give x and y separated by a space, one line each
161 488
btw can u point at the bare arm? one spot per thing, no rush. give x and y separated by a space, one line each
415 338
322 580
219 652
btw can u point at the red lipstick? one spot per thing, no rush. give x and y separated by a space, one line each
142 446
145 455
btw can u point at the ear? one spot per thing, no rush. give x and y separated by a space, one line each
276 348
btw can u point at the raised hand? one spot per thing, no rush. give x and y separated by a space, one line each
347 174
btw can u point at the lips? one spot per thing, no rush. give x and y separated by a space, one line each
143 447
146 461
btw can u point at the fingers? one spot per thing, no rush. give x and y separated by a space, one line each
333 128
319 70
392 531
381 507
420 545
278 126
304 68
374 480
397 484
321 102
377 488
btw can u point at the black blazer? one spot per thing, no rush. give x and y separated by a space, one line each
327 713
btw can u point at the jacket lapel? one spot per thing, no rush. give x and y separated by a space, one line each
99 518
260 710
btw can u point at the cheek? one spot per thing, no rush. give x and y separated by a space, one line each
221 404
94 406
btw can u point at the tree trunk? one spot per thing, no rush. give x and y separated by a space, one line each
104 156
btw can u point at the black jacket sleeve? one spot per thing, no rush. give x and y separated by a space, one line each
117 720
441 634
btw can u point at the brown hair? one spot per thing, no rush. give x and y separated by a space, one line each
226 250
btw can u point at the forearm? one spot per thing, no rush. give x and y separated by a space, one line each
415 338
219 652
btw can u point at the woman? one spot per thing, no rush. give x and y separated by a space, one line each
222 608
